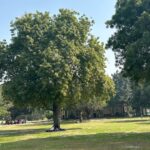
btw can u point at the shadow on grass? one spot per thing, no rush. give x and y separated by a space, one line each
100 141
8 133
11 133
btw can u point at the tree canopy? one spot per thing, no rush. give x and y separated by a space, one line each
51 57
131 42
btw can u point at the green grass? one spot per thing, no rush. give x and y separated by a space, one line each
105 134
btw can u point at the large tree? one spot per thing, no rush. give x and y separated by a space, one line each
131 42
48 58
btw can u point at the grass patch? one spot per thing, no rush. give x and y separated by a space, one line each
105 134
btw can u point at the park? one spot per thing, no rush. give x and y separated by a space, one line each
105 134
76 77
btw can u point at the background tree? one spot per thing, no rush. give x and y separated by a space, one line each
131 42
140 101
48 58
123 94
4 107
85 104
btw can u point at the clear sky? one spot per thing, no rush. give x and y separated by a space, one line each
99 10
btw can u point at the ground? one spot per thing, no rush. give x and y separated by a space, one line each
104 134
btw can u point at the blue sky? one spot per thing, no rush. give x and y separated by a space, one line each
99 10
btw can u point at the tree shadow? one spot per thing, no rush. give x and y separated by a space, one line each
100 141
8 133
22 132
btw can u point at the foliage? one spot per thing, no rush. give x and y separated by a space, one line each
130 42
50 59
3 107
123 89
49 114
87 103
120 103
140 98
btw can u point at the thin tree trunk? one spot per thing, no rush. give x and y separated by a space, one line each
123 110
81 116
141 111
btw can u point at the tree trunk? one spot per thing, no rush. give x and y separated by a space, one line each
56 117
141 111
81 116
123 109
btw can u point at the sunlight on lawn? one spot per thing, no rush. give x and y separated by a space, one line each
109 134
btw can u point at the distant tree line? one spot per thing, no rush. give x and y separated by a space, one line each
129 100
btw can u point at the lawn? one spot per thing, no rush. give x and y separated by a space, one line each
105 134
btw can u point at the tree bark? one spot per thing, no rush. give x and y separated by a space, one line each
56 116
141 111
81 116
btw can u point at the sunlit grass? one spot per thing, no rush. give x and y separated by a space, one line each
105 134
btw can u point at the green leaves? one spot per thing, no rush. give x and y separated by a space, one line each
3 106
123 90
54 59
130 42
